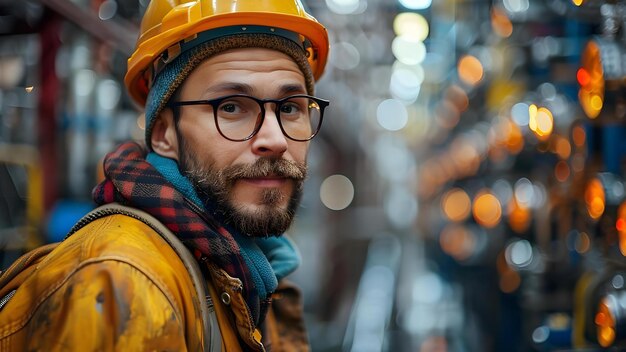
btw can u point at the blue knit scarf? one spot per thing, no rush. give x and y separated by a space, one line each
268 259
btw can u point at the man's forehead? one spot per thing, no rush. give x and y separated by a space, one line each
247 71
253 59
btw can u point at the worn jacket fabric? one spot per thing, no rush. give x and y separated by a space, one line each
117 285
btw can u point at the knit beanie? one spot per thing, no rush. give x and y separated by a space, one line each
175 72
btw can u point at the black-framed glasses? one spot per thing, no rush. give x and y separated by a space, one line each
239 117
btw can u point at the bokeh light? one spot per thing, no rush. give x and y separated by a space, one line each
579 136
562 171
501 23
591 79
595 198
519 216
416 4
337 192
520 114
605 323
541 122
343 7
519 254
457 241
486 209
411 25
456 204
392 115
406 82
516 6
620 225
563 148
470 70
408 49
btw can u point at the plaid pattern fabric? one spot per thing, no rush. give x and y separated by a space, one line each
132 181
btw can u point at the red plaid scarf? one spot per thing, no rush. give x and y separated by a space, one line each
132 181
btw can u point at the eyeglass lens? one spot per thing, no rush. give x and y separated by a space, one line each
238 117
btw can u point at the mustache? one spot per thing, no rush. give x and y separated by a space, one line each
266 167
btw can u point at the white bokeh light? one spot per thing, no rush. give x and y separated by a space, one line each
405 83
516 5
392 115
416 4
337 192
343 7
412 25
408 50
519 253
520 114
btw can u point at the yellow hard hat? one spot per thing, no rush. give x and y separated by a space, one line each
168 23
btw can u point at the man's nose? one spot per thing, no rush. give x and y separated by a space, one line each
270 140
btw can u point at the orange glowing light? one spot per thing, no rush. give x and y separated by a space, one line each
591 94
595 198
579 136
605 324
578 2
487 210
541 122
532 117
501 23
457 241
583 77
456 205
563 148
509 135
519 216
470 70
620 225
562 171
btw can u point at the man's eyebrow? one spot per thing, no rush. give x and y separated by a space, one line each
242 88
230 87
292 89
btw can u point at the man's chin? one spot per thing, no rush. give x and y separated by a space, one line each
260 220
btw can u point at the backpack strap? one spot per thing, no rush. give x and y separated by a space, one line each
212 337
23 262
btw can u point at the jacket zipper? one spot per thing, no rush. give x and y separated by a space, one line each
100 214
6 298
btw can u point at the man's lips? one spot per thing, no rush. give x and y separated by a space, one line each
268 181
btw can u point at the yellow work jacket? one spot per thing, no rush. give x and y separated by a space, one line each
117 284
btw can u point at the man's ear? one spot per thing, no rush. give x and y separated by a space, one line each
163 138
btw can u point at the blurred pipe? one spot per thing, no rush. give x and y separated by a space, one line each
121 37
371 314
48 98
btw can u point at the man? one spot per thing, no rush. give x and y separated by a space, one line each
227 87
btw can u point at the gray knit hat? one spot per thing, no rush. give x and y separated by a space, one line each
175 72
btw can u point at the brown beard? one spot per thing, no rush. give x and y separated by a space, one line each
214 186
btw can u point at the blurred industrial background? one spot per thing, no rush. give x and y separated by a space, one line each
466 191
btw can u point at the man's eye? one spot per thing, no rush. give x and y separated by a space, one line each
229 108
289 108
